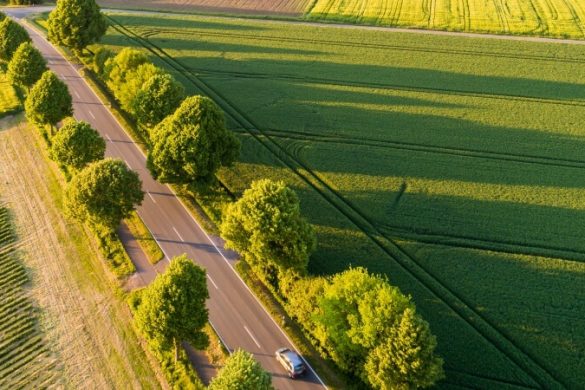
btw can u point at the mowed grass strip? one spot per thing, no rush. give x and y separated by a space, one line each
9 101
554 18
25 359
399 137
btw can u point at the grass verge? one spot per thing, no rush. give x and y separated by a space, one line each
144 238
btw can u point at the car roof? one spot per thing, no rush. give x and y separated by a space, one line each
292 357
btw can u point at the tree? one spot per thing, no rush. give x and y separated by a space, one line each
172 308
116 68
190 145
241 372
134 80
26 66
48 101
360 319
405 360
158 98
12 35
267 227
76 24
77 144
104 193
99 60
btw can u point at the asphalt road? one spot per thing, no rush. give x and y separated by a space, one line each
235 313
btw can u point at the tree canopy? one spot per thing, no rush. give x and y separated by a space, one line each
172 308
266 226
405 359
241 372
192 143
104 193
26 66
371 329
12 35
76 24
48 101
77 144
157 98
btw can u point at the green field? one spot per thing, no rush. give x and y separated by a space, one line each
25 360
555 18
453 165
9 102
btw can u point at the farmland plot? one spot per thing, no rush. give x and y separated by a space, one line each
556 18
453 165
25 359
256 7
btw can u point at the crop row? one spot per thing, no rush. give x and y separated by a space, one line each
24 358
557 18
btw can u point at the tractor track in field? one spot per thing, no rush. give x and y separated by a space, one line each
492 245
204 72
530 365
417 147
150 32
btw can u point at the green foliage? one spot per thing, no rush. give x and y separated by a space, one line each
134 81
117 67
360 317
48 101
9 100
405 359
77 144
191 144
144 90
157 98
76 24
267 227
12 35
26 66
241 372
172 308
99 59
104 193
113 251
302 297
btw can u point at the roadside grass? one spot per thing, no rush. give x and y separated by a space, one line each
441 142
144 238
9 101
505 17
83 309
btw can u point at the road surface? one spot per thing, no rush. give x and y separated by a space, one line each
234 312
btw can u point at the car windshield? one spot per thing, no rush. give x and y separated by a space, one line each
298 367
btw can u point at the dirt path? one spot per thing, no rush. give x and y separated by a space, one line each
85 322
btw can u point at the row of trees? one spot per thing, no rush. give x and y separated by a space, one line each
189 142
365 325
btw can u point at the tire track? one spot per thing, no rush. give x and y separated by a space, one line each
417 147
381 46
484 328
386 86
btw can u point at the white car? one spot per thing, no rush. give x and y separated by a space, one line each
291 361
